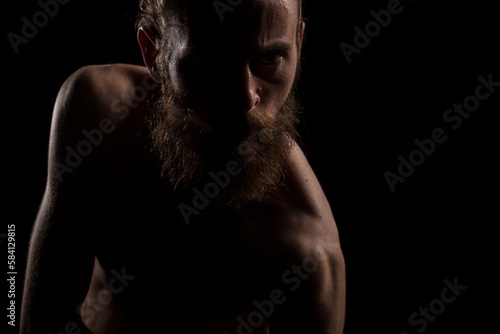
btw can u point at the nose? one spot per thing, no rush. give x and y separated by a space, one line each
243 89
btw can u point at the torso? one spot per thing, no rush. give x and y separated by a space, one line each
155 273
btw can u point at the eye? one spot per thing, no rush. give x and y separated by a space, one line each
270 59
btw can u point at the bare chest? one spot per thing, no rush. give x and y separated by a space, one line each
170 271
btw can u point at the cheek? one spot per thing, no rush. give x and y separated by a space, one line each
275 95
192 84
170 55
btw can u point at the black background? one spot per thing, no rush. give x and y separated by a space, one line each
359 117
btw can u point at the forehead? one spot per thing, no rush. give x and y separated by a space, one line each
217 24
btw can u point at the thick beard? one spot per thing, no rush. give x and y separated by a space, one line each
191 151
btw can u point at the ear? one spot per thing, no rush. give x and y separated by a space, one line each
145 37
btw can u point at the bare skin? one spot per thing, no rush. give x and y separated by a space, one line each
109 235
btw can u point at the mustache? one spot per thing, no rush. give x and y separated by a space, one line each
226 118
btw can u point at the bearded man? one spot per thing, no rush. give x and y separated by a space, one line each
177 199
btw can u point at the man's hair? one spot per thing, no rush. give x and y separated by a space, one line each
153 14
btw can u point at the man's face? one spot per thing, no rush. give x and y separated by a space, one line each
244 64
225 82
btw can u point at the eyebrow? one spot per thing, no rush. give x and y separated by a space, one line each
273 46
278 46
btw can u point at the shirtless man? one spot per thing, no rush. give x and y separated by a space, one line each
177 199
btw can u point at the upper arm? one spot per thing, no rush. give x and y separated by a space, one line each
313 278
324 296
314 286
308 237
61 253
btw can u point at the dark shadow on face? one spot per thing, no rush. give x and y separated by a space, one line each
228 94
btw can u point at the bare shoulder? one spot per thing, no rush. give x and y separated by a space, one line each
99 97
98 86
93 99
300 222
121 74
